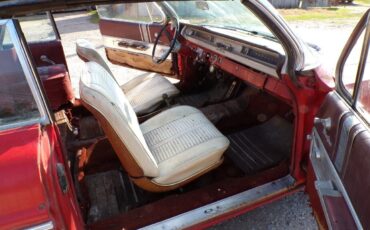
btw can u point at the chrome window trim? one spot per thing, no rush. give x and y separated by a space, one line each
54 25
44 118
363 58
363 26
22 124
44 226
353 39
224 206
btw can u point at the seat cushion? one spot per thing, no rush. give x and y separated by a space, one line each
146 93
184 143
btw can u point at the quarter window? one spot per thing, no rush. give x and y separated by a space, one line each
134 12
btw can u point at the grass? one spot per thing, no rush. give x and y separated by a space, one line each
362 2
325 13
347 11
94 17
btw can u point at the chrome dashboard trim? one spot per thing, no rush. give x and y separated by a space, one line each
272 71
284 29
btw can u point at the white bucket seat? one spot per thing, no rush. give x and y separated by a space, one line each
161 154
144 92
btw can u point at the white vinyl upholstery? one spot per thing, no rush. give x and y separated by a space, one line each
147 95
171 147
145 91
99 90
183 143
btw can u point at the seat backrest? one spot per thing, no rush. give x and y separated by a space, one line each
104 98
86 51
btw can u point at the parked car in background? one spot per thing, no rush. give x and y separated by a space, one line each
230 110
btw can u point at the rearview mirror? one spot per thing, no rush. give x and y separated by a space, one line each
202 5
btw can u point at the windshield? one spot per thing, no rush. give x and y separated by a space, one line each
221 14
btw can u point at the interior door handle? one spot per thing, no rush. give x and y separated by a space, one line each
325 122
133 45
46 59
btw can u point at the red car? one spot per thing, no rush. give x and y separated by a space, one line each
223 109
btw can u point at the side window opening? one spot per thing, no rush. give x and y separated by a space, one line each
37 28
363 100
132 12
17 103
351 66
355 77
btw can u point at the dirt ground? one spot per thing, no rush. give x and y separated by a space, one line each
292 212
330 36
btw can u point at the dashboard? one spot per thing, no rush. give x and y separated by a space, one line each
258 57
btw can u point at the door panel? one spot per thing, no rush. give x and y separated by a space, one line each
46 48
131 30
340 161
339 164
129 34
355 175
334 109
53 50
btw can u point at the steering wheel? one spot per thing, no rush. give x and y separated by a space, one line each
174 25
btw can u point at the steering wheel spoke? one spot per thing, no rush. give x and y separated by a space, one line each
163 56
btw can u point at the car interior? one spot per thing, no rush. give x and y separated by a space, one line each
149 149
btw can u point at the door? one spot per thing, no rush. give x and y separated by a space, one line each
338 174
35 184
129 31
